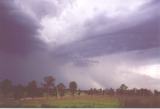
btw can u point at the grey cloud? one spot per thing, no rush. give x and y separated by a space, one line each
43 8
18 43
144 35
135 43
18 32
40 8
112 70
131 79
23 69
140 37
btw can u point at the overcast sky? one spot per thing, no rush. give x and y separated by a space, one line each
97 43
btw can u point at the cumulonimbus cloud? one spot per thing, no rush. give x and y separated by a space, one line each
73 40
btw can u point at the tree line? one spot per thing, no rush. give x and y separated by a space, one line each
123 90
49 88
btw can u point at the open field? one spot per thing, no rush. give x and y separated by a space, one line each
68 101
85 101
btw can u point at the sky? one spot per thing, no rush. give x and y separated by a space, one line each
97 43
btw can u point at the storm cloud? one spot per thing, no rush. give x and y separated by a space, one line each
18 40
93 43
18 31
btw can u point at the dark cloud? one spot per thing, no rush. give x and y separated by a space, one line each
17 31
20 48
154 2
134 41
23 69
139 37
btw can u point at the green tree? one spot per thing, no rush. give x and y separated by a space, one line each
123 87
49 84
73 87
19 91
6 88
61 89
32 89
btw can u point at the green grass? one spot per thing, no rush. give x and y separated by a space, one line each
67 102
85 102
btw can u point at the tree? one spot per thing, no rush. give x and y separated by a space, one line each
61 89
19 91
123 87
48 84
32 89
6 87
110 91
79 92
73 87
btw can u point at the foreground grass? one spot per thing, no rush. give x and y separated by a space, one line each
85 101
66 102
140 101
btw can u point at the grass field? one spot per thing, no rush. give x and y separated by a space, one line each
86 101
68 101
